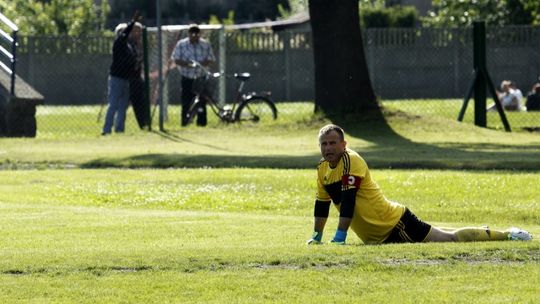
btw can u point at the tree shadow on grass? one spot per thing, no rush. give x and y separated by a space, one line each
391 150
175 160
388 150
175 138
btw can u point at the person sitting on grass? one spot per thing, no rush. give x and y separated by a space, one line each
533 99
344 180
507 97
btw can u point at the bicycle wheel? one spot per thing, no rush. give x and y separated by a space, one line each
192 111
256 109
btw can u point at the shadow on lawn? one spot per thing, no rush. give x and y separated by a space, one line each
173 137
389 150
206 160
392 150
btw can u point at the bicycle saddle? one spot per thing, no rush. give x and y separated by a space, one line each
242 76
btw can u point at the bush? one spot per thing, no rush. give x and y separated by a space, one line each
375 17
394 16
406 16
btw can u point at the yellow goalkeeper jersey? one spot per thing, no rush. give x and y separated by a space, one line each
374 216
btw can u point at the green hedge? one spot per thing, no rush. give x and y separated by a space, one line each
394 16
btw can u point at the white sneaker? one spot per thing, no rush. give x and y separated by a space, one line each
516 234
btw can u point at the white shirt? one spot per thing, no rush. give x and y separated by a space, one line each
519 96
509 100
185 50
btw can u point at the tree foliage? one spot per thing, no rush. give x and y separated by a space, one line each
533 6
225 21
373 13
56 17
501 12
294 7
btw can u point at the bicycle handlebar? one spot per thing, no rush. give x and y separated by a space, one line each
195 64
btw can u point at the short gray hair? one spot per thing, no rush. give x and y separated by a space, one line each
332 127
120 27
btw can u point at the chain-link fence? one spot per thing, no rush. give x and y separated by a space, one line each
425 71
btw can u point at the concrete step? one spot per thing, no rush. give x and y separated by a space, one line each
23 91
18 111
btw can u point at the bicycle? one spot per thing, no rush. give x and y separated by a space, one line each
253 106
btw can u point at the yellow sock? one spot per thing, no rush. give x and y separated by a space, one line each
478 234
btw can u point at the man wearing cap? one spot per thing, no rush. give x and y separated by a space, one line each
192 48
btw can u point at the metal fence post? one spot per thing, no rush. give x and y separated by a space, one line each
222 64
287 61
369 49
146 78
13 62
479 60
160 68
457 64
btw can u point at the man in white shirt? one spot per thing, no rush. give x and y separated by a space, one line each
192 48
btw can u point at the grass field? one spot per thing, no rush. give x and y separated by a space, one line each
69 137
449 109
221 214
237 235
87 121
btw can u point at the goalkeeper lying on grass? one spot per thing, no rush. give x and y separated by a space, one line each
344 179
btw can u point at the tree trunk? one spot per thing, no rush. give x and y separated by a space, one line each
342 83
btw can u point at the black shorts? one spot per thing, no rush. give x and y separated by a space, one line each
409 229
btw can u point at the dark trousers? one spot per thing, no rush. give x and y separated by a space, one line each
140 107
187 99
533 102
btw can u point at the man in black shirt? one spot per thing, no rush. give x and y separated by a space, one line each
123 68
